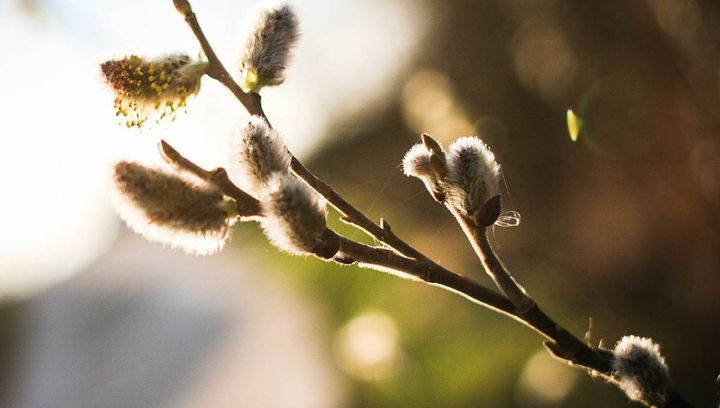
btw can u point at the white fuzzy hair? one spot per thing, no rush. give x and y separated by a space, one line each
641 369
293 214
473 175
257 152
168 209
270 36
416 162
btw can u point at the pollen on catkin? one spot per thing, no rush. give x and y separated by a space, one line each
293 215
641 369
152 89
166 208
257 152
473 175
269 39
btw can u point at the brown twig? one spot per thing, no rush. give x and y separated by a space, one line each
352 215
425 271
561 343
478 239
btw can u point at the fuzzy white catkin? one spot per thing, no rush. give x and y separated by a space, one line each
416 162
473 175
269 39
293 214
169 209
257 152
641 369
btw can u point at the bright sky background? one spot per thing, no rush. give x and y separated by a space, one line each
59 131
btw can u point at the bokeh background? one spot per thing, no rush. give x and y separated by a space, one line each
620 231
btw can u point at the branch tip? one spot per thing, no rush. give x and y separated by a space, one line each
183 7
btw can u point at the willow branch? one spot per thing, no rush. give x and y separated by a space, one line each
561 343
216 69
408 260
351 251
252 102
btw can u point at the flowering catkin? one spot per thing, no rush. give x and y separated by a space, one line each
269 39
641 369
166 208
473 175
257 152
465 178
154 89
293 215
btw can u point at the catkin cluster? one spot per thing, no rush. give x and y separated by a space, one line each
293 214
195 215
465 178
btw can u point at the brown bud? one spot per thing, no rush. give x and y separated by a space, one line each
438 165
489 212
329 246
432 144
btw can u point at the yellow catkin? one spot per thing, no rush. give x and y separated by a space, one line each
152 89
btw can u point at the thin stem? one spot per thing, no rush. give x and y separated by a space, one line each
561 342
216 69
352 215
428 272
504 281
